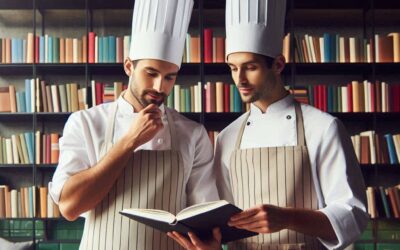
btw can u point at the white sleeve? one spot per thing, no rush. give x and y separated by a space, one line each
73 155
222 173
201 183
342 186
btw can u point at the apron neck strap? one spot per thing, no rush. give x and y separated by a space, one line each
299 126
301 141
111 125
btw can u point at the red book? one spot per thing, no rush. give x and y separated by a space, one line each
349 98
48 149
324 98
373 101
99 93
220 57
208 45
91 38
321 97
227 97
316 97
37 49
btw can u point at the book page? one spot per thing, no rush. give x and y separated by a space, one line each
199 209
153 214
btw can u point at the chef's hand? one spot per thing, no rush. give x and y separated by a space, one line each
195 243
261 219
146 126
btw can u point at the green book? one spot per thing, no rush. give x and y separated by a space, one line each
334 99
56 50
170 100
385 202
188 106
182 100
106 50
388 246
310 95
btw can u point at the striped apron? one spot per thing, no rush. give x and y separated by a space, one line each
151 179
279 176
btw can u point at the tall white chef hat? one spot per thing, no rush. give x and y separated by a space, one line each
255 26
159 29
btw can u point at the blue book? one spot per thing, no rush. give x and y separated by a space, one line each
20 96
41 49
391 148
50 50
327 47
106 50
23 59
14 50
29 145
385 202
28 95
237 100
112 48
100 50
333 48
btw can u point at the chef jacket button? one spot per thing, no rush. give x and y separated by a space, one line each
248 123
288 117
160 140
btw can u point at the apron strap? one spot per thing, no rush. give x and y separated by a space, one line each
301 141
172 130
299 126
240 135
108 143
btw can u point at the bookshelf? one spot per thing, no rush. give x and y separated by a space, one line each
364 18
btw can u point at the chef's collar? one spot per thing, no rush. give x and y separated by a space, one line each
127 109
275 107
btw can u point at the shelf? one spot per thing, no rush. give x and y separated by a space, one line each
70 4
16 4
21 69
194 68
60 68
16 166
16 117
62 116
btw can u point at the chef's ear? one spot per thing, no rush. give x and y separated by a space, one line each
279 64
129 66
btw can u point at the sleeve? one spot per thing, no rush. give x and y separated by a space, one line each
201 185
342 186
222 173
73 156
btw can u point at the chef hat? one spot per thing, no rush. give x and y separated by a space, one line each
255 26
159 29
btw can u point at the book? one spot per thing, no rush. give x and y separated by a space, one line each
199 219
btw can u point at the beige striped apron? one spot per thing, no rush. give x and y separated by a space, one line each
151 179
279 176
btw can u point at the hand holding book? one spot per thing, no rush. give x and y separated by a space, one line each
199 219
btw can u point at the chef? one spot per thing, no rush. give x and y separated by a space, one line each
135 152
290 166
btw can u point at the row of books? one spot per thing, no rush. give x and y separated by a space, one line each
373 148
223 97
383 202
27 202
18 149
334 48
186 99
352 97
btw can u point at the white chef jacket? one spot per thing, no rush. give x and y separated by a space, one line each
84 134
335 170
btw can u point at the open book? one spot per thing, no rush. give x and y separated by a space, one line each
199 219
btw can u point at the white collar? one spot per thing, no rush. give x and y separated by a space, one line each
278 106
